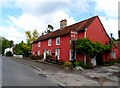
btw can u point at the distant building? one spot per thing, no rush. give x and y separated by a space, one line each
58 43
8 49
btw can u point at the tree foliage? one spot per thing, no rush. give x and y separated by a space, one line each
85 46
5 43
22 49
31 36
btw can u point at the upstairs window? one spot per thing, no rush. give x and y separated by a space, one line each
58 41
38 44
49 42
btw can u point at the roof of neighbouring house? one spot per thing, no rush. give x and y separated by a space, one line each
80 26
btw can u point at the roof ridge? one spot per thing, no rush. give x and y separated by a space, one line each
81 25
82 21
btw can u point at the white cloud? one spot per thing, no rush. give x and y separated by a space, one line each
38 7
110 10
109 7
11 33
111 26
36 15
29 22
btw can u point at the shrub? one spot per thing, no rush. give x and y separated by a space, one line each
111 62
9 53
67 64
87 66
31 56
48 56
39 57
81 63
118 60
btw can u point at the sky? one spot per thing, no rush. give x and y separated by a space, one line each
18 16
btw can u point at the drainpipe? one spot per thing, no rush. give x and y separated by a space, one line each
85 54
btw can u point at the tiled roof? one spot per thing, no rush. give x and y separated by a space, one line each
80 26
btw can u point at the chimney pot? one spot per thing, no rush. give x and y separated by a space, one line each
63 23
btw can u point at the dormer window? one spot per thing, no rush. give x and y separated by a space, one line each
49 42
38 44
58 41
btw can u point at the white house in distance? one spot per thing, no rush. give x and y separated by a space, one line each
8 49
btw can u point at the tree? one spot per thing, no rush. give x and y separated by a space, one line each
22 49
85 46
31 36
5 43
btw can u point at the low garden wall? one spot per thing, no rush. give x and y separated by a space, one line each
18 56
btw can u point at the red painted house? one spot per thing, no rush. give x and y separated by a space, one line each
58 43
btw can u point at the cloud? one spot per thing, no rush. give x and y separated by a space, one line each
38 7
36 15
29 22
12 33
109 7
108 13
111 26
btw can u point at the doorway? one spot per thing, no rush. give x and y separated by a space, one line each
57 53
99 59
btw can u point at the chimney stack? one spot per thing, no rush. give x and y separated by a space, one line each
63 23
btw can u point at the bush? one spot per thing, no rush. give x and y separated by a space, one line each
48 56
81 63
31 56
111 62
118 60
67 64
9 53
39 57
87 66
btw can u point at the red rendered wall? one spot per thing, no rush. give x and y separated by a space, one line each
96 32
64 47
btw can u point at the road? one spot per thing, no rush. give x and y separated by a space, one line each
17 74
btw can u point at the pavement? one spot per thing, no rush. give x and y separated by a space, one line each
99 76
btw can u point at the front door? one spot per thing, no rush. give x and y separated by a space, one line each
99 59
45 54
57 54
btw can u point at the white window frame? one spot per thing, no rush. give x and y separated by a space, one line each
49 42
70 55
39 43
57 40
49 52
38 53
